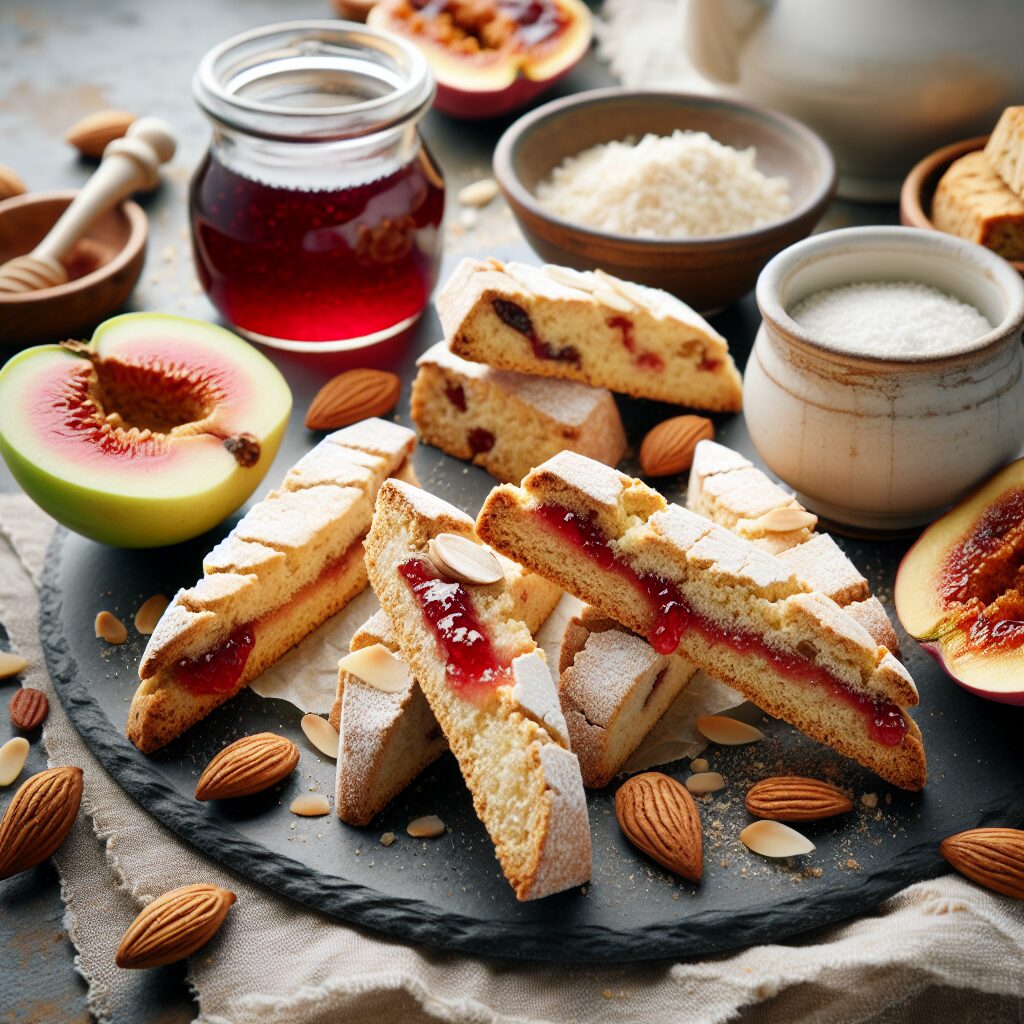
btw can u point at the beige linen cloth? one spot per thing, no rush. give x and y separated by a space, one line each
939 951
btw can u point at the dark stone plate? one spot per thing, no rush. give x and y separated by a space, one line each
450 892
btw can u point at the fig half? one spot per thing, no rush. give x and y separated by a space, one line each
490 57
960 589
154 432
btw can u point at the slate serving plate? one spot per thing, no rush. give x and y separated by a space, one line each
449 892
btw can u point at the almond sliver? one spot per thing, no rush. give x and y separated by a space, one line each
773 839
377 667
310 805
13 755
11 664
321 734
728 732
430 826
463 560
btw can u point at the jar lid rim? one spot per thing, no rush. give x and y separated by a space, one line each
315 123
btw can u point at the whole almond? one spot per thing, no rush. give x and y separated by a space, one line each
249 765
992 857
796 798
352 396
174 926
39 818
11 183
659 816
669 447
29 708
93 132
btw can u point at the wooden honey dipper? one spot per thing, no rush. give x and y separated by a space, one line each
129 164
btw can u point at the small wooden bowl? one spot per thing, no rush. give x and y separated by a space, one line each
707 273
103 268
919 186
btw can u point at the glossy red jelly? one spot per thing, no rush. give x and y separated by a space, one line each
648 360
469 656
317 265
672 617
219 670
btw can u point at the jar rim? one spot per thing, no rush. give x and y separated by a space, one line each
231 65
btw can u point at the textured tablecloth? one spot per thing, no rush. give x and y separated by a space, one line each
940 950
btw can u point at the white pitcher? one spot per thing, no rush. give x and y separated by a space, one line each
883 81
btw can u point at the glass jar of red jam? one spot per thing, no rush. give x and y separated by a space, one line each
316 214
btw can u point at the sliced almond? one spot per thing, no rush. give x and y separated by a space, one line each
149 613
11 664
430 826
705 782
110 628
321 734
785 520
569 278
630 292
479 193
461 559
773 839
377 667
13 755
727 732
613 300
310 805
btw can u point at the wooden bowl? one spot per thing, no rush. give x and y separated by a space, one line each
707 273
919 186
103 268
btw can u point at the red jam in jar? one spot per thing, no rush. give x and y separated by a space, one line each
316 215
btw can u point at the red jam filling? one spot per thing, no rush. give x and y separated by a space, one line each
672 616
456 394
470 659
519 320
218 670
480 440
709 365
648 360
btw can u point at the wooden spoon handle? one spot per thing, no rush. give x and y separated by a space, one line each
129 164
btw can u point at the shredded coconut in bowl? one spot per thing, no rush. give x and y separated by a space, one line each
683 185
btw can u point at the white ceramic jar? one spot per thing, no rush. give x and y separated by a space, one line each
885 443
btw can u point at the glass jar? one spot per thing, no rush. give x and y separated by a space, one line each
316 214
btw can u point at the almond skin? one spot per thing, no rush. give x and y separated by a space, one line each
992 857
29 708
174 926
353 396
249 765
796 798
659 816
92 133
669 447
39 818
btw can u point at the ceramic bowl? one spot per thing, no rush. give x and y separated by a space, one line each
707 273
920 184
103 268
885 443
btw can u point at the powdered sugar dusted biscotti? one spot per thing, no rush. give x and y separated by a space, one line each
509 422
525 783
590 327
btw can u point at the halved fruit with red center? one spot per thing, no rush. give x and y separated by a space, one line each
154 432
960 589
490 56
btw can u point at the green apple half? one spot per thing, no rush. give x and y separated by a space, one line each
154 432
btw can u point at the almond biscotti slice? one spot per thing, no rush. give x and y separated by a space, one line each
292 561
490 690
728 489
388 732
614 686
737 612
510 422
590 327
1005 149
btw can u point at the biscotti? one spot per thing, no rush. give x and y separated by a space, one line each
974 202
728 489
388 732
510 422
736 611
292 561
589 327
490 690
1005 149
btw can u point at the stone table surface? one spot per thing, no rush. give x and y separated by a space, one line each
59 62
